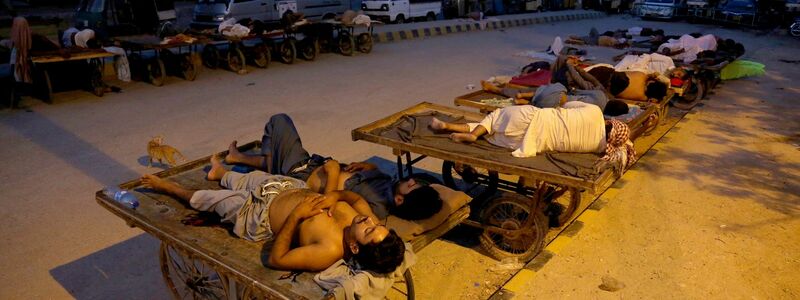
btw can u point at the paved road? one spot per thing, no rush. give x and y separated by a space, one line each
734 163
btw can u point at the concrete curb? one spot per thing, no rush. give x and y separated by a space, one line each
418 33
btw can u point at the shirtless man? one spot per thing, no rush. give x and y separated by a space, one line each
282 153
324 228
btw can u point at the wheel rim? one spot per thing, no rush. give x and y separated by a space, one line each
513 213
288 52
795 29
189 71
261 56
346 44
210 56
365 43
235 60
189 278
567 199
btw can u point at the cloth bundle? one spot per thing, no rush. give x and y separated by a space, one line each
619 148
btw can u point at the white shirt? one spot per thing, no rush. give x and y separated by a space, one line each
528 130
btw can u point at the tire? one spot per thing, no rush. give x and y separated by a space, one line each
364 42
430 17
510 212
310 49
409 284
794 30
188 68
262 56
236 60
400 19
287 51
561 200
210 56
347 44
692 97
156 72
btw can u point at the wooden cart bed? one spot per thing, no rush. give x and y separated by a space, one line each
235 265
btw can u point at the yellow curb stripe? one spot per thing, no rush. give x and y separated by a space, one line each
519 280
558 244
409 35
588 216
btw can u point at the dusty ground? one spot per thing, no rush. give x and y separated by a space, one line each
712 214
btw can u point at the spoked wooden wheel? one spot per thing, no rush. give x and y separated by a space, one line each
156 72
287 51
560 203
310 49
189 278
522 228
188 68
364 42
347 44
235 59
261 56
96 84
210 56
651 123
691 97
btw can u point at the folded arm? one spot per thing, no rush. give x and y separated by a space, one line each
314 257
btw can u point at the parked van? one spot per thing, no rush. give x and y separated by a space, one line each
210 13
399 11
660 9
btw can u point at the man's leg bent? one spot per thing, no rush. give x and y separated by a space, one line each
281 145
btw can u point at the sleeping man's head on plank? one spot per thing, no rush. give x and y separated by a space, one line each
311 231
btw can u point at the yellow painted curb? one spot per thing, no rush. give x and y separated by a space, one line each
558 244
519 280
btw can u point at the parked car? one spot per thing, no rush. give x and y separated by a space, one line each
400 11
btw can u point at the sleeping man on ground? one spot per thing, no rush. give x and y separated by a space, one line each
311 231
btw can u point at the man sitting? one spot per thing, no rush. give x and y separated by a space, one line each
282 153
528 130
323 228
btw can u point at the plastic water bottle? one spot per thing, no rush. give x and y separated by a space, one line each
121 196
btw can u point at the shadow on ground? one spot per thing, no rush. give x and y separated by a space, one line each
127 270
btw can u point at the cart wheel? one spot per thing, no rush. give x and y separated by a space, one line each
188 68
409 284
189 278
97 86
47 87
691 97
469 176
310 50
235 59
651 123
364 42
346 43
511 212
157 72
560 203
794 30
288 51
210 56
262 56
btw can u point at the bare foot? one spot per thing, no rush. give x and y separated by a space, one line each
463 137
437 124
156 183
217 169
234 156
488 86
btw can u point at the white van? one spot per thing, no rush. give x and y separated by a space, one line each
399 11
210 13
660 9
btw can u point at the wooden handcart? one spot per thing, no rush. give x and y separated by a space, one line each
236 52
514 224
152 61
45 62
209 262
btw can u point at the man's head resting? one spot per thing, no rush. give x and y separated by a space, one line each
415 200
616 108
374 247
655 90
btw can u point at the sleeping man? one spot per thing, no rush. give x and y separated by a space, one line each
529 130
283 153
311 231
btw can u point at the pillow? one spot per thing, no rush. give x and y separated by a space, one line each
452 201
